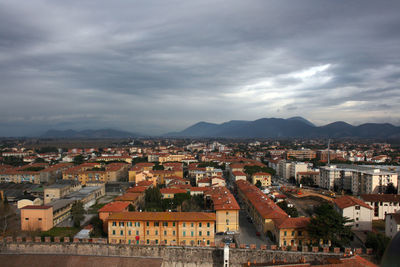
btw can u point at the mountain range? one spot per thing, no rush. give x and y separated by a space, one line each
288 128
101 133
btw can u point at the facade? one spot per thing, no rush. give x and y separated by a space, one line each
283 169
356 210
292 231
110 208
97 172
239 175
296 167
382 204
309 174
301 154
392 224
263 177
190 228
36 218
59 190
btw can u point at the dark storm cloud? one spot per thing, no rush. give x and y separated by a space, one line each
156 66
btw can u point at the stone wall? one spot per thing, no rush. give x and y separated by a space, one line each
173 256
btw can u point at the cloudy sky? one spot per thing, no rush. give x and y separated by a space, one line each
159 66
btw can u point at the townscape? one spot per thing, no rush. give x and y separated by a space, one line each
290 195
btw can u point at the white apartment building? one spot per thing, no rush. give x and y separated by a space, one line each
382 204
392 224
356 210
296 167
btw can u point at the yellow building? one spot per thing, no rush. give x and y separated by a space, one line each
97 172
292 231
169 158
263 177
183 228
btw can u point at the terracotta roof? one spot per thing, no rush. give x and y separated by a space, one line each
128 197
162 216
238 173
348 201
381 197
289 222
262 174
116 206
36 207
172 191
136 189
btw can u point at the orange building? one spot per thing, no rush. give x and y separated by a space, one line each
36 218
117 206
190 228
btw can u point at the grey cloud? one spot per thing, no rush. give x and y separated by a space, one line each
158 66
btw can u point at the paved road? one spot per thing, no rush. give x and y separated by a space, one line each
248 232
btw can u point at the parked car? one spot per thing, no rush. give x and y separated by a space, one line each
230 232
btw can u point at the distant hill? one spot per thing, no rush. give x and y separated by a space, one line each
101 133
287 128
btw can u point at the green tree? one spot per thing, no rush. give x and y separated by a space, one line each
292 211
131 207
390 189
378 242
250 170
153 199
158 167
328 225
98 230
77 212
307 181
258 184
78 159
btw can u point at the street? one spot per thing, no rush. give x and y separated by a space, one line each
248 232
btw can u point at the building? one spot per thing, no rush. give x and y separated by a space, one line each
36 218
263 177
356 210
238 175
97 172
113 207
382 204
155 228
301 154
392 224
226 209
283 169
292 231
312 175
59 190
170 192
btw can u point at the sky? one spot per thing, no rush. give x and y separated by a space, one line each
153 67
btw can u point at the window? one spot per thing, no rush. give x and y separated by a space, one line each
137 232
284 233
122 232
147 224
113 232
191 224
284 242
199 233
227 221
173 232
208 233
227 213
39 219
173 224
208 242
357 207
147 232
192 233
148 241
208 224
165 232
121 224
300 233
165 224
156 241
199 224
184 233
292 233
26 219
114 224
156 223
183 224
156 232
129 232
130 224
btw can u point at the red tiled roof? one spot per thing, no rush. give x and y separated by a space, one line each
172 191
36 207
238 173
116 206
162 216
348 201
381 197
289 222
